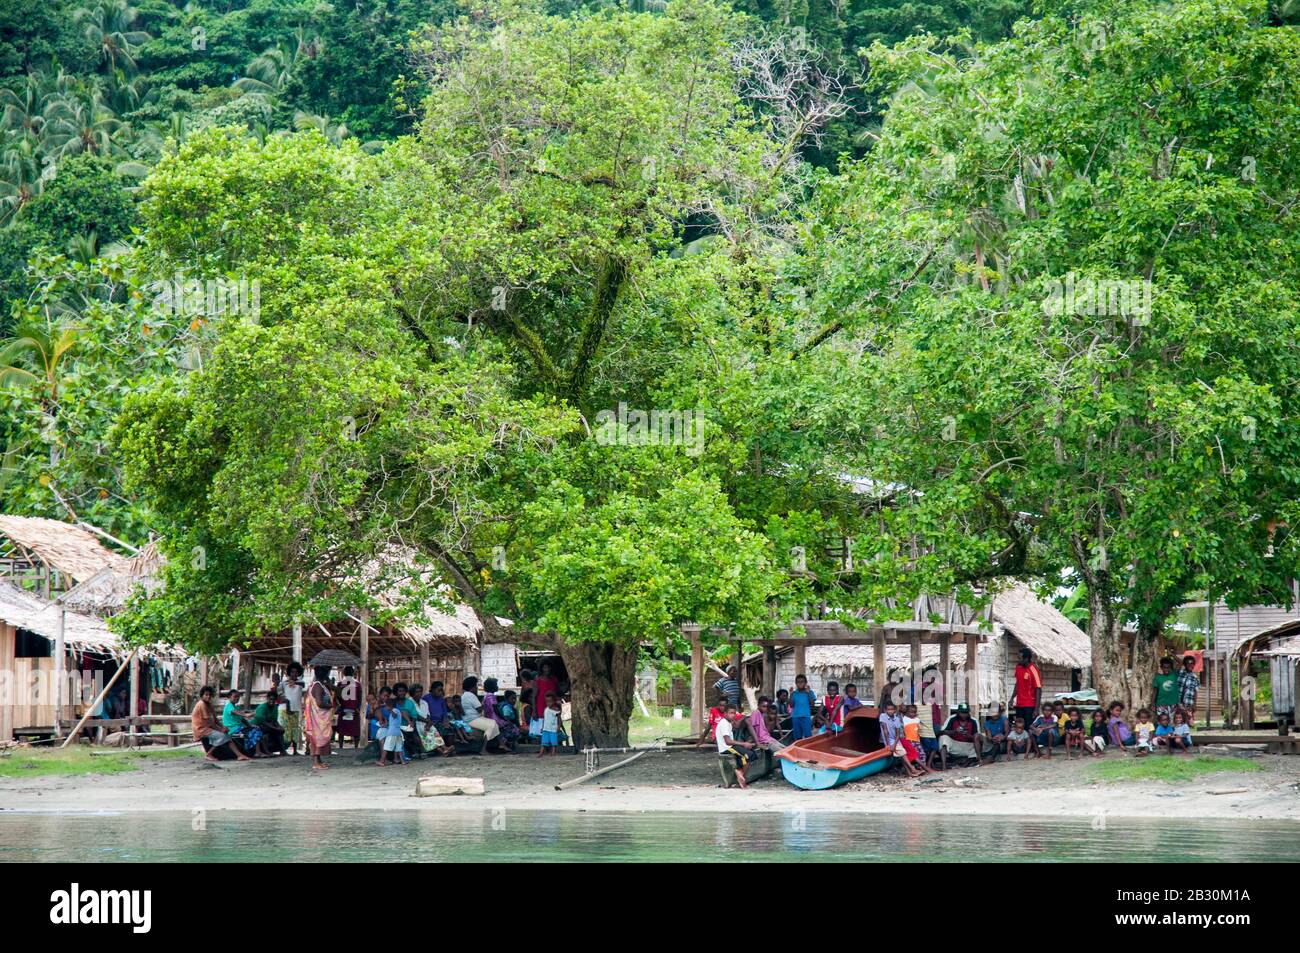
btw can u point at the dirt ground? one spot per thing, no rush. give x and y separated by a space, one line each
659 781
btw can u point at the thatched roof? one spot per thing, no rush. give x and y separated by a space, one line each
1054 639
26 610
446 631
68 549
107 591
1039 625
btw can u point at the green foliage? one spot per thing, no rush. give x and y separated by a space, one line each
86 196
1178 768
1150 448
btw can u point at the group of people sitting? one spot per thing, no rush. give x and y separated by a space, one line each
289 713
407 723
1034 728
404 722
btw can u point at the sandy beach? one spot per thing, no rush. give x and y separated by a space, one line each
659 781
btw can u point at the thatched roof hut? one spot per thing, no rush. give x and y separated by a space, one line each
107 591
1018 618
25 610
51 554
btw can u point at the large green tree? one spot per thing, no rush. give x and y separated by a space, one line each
1069 271
591 199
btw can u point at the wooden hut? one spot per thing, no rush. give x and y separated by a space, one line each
47 556
44 646
1016 619
32 629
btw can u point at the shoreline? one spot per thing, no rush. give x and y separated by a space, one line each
668 782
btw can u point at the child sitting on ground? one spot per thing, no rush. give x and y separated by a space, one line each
1019 741
995 731
1044 730
459 726
1182 737
1075 732
1095 743
1145 730
1118 733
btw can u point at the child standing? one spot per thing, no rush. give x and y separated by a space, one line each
390 733
832 713
550 725
802 702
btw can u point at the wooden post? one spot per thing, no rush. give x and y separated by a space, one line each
945 673
878 667
248 682
916 670
99 698
800 660
133 693
60 650
697 685
234 668
424 665
769 671
973 674
297 642
364 633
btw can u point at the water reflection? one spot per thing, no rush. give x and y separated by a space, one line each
507 834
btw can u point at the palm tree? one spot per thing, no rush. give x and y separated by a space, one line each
268 74
24 109
34 357
108 26
83 124
22 177
334 132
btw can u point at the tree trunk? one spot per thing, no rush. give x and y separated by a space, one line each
1109 664
1117 675
1146 662
600 688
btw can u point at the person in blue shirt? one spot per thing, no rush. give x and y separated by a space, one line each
802 704
996 729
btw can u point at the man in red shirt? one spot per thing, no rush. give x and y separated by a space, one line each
1028 697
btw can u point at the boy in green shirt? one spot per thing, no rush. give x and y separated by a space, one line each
1165 684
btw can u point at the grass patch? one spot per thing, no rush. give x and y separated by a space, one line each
1162 767
44 762
646 731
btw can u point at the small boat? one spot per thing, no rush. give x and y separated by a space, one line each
837 757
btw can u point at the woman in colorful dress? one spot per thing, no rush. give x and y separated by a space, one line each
319 718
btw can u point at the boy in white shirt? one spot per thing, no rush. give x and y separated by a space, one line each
731 747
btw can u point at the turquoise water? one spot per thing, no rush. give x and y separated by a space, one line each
510 835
